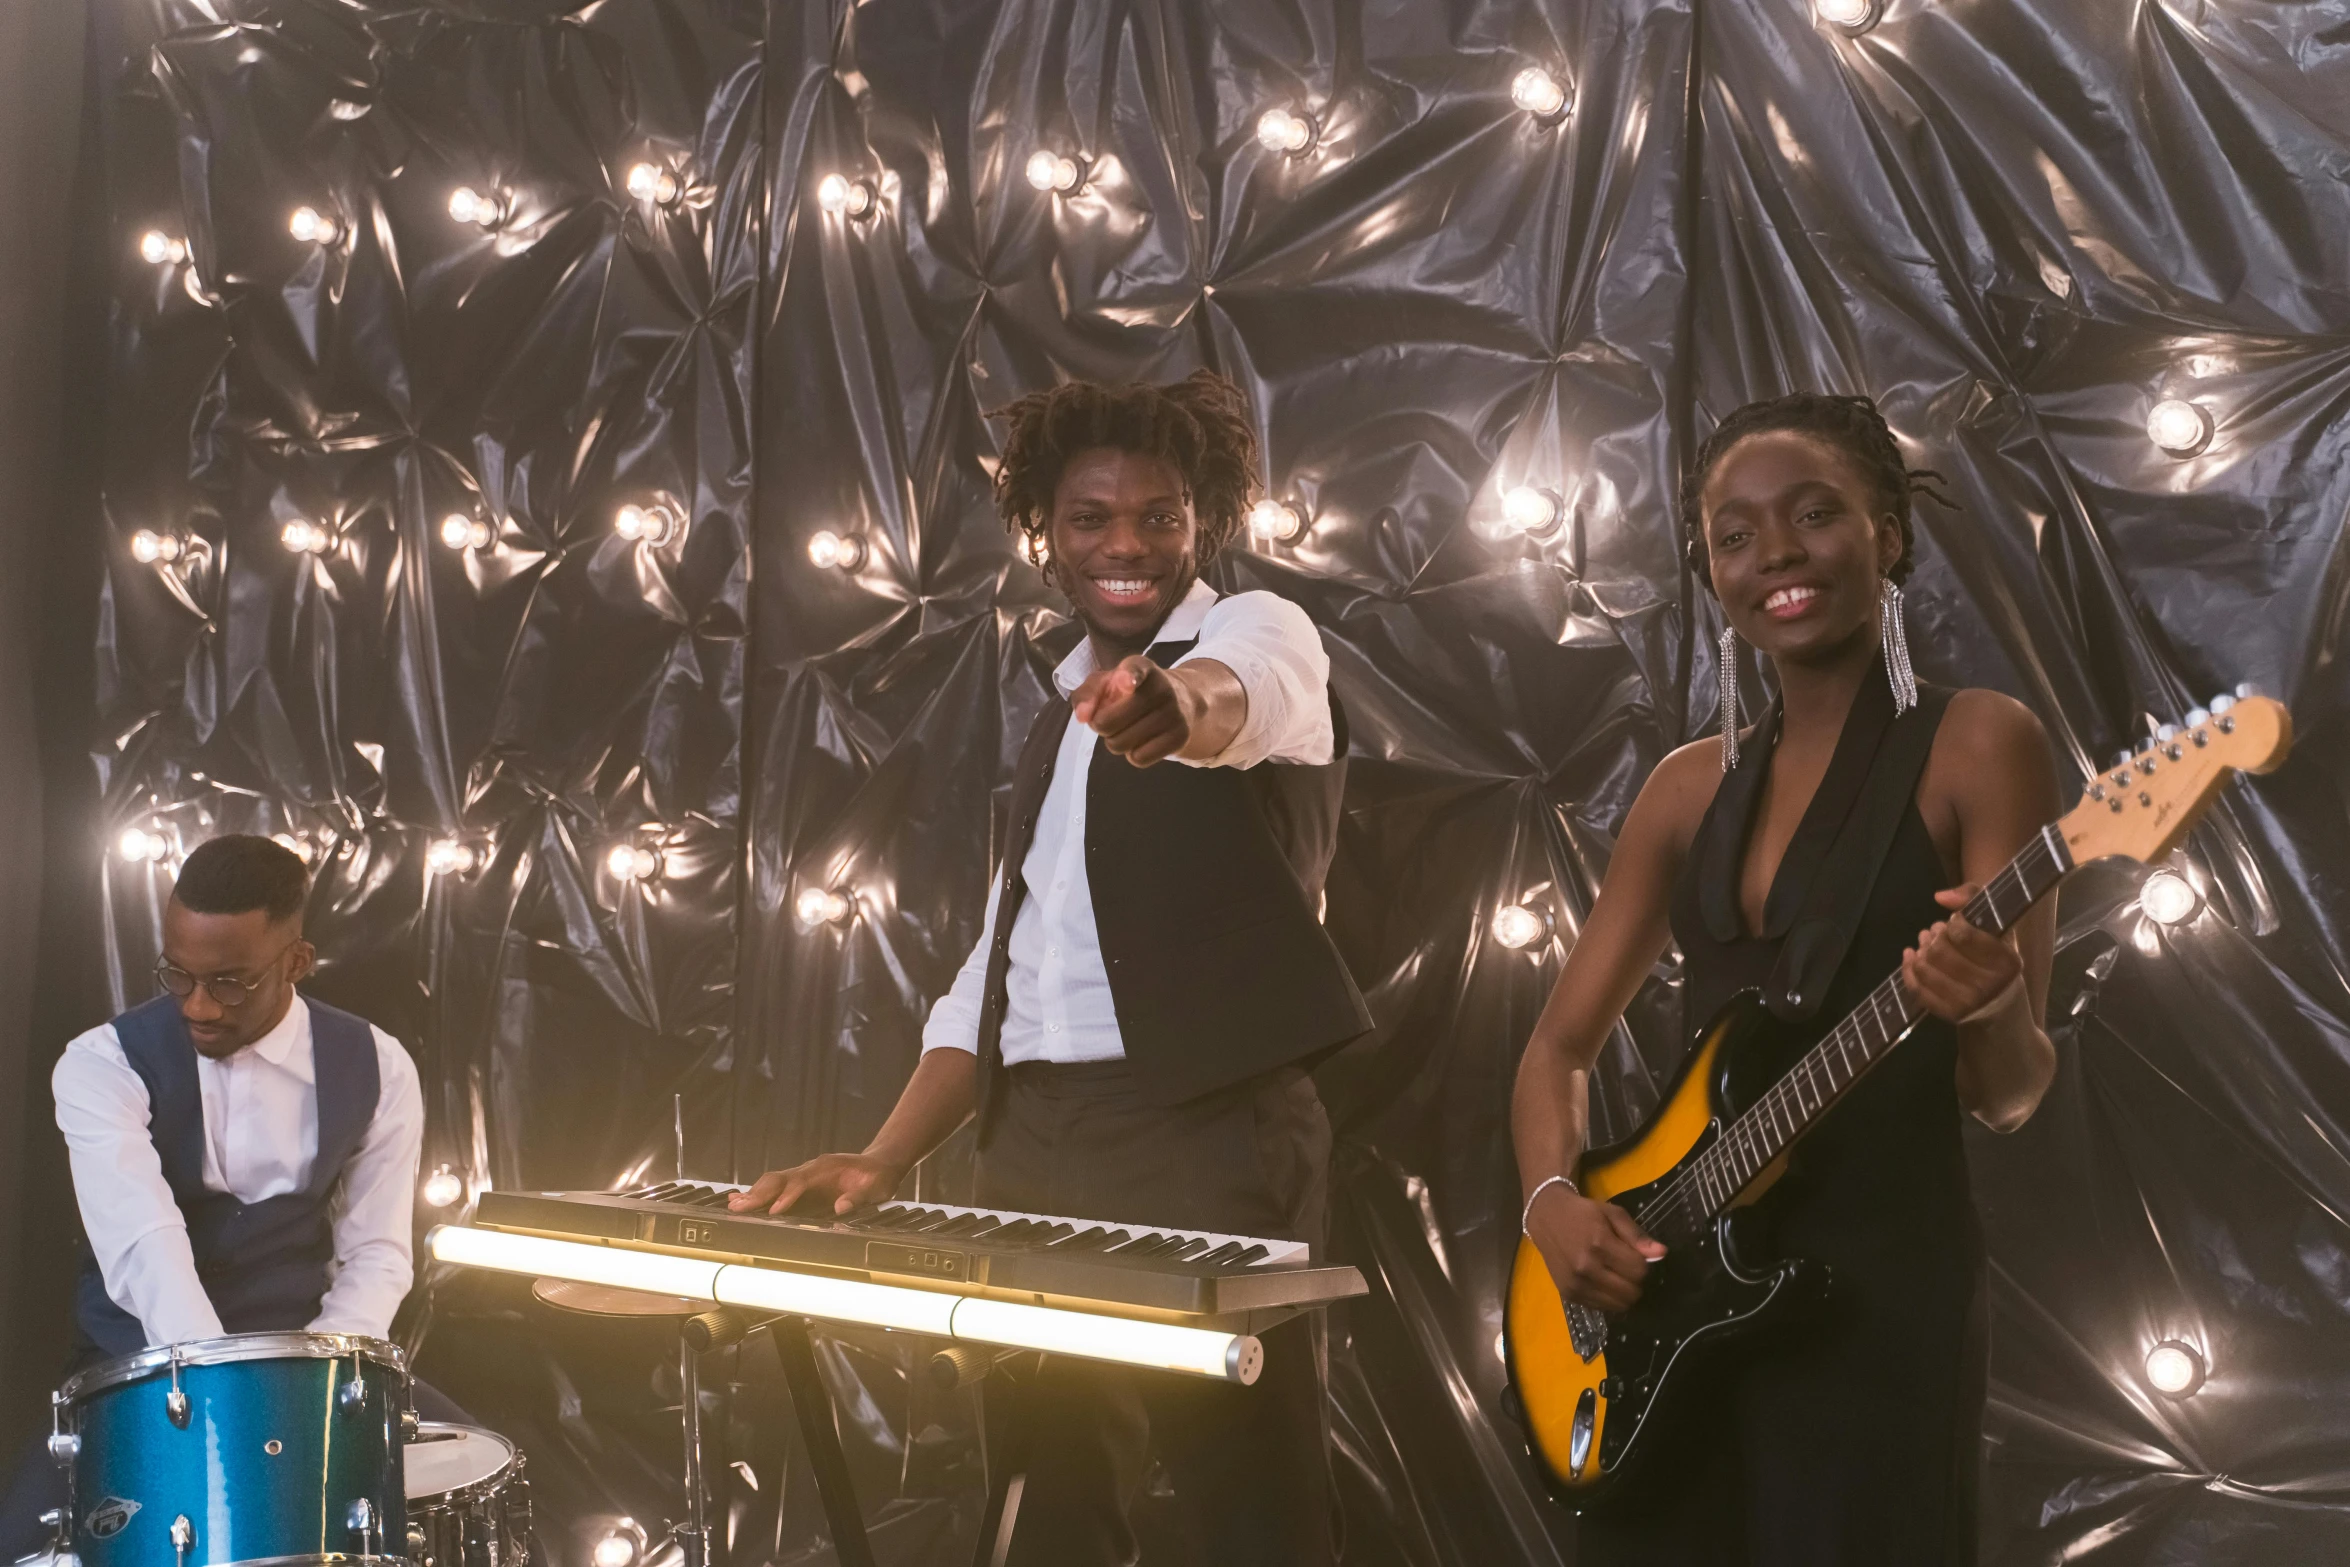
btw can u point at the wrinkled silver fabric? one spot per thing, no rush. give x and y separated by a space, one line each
2017 225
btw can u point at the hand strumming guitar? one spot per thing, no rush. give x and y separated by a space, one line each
1597 1255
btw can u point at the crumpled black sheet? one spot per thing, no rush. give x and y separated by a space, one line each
2016 225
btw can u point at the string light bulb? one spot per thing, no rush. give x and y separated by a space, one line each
142 845
484 210
1276 522
304 537
454 857
1286 131
829 549
1528 509
157 248
618 1547
1516 926
150 548
655 524
1850 16
296 844
633 862
1539 93
653 183
460 532
2179 427
313 227
2174 1369
821 906
846 198
2167 898
443 1188
1055 172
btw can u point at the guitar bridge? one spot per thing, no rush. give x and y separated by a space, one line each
1587 1331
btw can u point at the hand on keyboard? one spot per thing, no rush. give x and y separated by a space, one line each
840 1181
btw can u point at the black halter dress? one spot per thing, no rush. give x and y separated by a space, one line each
1854 1440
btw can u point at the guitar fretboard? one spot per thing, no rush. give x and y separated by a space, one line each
1709 1183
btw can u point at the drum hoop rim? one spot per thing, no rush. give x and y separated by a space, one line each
230 1349
320 1558
489 1487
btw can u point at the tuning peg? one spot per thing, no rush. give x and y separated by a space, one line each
2197 717
2222 702
2167 733
2122 760
2246 689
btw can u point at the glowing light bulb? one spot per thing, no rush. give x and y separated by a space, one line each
844 550
298 844
633 862
160 249
2174 1369
615 1549
460 532
1516 926
1050 171
483 210
453 857
843 197
313 226
2167 898
1275 521
1539 93
1526 509
2179 427
821 906
305 537
149 547
1283 130
142 845
653 183
1852 16
443 1188
655 525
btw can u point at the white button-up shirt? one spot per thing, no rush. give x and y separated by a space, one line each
260 1140
1058 1005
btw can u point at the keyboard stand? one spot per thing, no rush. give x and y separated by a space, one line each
811 1404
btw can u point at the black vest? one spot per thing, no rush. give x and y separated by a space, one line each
1206 884
263 1264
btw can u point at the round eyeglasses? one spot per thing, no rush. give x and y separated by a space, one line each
225 989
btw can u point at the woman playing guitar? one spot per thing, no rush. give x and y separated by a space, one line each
1854 1438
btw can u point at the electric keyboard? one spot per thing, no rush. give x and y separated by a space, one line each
1120 1269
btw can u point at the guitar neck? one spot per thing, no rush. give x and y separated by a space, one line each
1797 1101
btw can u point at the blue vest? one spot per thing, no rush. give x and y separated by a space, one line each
263 1264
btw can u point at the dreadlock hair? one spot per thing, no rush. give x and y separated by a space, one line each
1853 427
1200 425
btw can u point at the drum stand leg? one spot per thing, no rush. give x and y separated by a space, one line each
813 1406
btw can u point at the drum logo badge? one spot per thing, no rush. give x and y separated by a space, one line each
110 1517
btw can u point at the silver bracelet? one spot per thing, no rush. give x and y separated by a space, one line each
1536 1196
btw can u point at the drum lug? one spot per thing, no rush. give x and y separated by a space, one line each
362 1521
409 1425
353 1396
183 1536
64 1446
175 1402
60 1534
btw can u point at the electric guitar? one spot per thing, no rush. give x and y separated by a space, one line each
1597 1391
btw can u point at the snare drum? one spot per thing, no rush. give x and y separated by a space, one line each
468 1503
255 1447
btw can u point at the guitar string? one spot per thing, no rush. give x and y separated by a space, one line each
1714 1168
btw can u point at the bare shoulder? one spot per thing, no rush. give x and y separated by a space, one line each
1991 750
1676 796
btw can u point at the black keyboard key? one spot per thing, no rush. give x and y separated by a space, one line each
1139 1248
1190 1249
1222 1254
1253 1254
890 1218
961 1224
1083 1240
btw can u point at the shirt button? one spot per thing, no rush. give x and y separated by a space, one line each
1060 886
1052 1028
1052 952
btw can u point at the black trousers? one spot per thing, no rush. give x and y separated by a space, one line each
1250 1465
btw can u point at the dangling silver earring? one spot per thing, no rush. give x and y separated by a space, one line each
1726 677
1896 645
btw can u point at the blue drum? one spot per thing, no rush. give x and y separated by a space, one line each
260 1447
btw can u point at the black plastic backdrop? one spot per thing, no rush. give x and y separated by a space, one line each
2017 225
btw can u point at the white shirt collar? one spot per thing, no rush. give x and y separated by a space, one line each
274 1046
1181 625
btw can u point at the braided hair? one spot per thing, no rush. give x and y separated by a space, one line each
1852 426
1199 425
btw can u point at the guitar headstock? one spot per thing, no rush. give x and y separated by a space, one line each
2143 804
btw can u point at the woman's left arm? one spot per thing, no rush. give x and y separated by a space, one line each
1993 987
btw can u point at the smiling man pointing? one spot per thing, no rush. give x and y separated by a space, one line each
1132 1026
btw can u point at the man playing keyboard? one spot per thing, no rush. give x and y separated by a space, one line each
1132 1026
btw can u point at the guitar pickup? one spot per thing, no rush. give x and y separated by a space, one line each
922 1262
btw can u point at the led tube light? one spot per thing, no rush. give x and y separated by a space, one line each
1161 1346
651 1271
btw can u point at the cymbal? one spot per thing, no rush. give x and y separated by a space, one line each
605 1300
